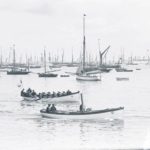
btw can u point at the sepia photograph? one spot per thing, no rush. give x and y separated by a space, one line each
74 74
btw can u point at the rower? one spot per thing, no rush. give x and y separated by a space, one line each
43 94
22 92
54 94
68 92
63 93
33 93
29 90
48 94
58 94
39 95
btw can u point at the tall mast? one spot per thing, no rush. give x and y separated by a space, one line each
83 63
49 58
100 55
14 57
1 61
62 60
72 56
44 60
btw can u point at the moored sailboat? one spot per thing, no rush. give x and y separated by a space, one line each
15 70
82 75
46 74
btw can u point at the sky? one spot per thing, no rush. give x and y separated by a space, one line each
57 25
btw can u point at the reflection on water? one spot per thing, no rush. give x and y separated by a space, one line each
83 132
24 103
101 124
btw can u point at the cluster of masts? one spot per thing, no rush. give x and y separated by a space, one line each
35 60
38 61
84 58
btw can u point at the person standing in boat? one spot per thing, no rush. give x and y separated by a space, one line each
53 108
81 108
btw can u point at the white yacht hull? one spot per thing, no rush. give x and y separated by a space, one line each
88 78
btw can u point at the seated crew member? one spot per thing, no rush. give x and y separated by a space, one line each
63 93
54 94
58 94
33 93
29 90
48 94
42 94
22 92
39 95
68 92
53 108
48 109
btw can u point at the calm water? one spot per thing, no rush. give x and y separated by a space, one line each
23 128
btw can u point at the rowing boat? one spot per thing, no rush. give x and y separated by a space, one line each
70 97
87 114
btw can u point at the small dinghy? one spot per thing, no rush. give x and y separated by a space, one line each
87 77
123 70
138 68
64 75
47 75
122 78
82 114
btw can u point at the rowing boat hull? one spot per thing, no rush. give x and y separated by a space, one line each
97 114
71 98
30 98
